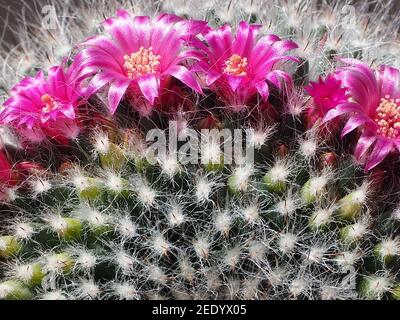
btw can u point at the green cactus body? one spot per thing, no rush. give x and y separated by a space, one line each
349 207
396 293
114 158
9 246
373 287
273 185
91 191
71 230
14 290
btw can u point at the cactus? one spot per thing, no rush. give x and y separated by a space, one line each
91 212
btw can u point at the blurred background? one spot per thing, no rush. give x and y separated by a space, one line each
9 9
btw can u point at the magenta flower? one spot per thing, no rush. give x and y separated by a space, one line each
239 66
5 170
41 107
373 107
326 95
142 57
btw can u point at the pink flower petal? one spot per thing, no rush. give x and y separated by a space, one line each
5 169
355 122
211 77
268 40
263 89
245 39
115 94
187 77
98 82
104 48
364 143
285 45
167 18
32 134
192 27
143 30
220 42
278 77
340 110
149 85
234 82
360 90
380 150
390 79
56 84
68 111
122 31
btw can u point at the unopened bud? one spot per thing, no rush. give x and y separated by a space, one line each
282 150
328 159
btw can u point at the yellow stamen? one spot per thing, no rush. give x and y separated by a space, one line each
388 117
236 66
141 62
49 103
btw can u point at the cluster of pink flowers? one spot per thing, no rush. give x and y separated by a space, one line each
139 61
369 100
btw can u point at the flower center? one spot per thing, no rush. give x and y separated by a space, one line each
50 104
236 66
141 62
388 117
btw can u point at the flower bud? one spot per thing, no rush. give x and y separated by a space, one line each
282 150
210 122
328 159
28 169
